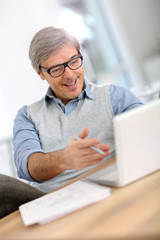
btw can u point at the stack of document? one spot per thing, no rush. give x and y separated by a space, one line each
61 202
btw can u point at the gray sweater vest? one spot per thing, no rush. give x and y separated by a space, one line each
56 129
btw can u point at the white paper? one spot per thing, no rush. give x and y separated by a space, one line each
62 202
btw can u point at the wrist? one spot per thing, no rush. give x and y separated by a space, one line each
58 161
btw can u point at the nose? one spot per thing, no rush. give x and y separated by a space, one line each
68 73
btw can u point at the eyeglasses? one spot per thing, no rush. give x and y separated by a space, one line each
58 70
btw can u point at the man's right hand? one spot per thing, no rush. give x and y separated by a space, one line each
78 154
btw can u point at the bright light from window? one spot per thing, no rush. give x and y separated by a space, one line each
74 24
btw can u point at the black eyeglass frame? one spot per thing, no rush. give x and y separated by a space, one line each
65 64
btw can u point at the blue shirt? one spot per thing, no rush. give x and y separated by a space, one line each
25 137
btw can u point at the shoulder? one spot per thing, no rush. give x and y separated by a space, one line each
36 106
99 88
22 113
22 120
120 93
123 99
116 89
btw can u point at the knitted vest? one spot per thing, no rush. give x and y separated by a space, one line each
56 129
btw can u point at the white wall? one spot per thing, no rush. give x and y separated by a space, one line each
19 83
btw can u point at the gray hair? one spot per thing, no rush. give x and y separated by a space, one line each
46 41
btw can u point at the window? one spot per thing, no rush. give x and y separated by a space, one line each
103 61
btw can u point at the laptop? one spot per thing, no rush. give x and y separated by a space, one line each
137 146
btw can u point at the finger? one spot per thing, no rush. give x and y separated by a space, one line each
85 144
91 163
103 147
90 154
84 134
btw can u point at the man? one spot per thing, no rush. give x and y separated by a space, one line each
46 152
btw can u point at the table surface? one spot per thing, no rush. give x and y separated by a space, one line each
131 212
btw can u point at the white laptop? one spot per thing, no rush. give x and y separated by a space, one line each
137 144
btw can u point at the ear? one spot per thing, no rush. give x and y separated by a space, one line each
40 74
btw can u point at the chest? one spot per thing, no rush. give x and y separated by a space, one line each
56 129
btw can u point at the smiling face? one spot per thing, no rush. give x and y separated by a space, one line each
71 83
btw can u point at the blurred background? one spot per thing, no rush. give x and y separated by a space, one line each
120 40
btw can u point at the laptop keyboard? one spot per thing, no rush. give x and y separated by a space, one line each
112 176
107 174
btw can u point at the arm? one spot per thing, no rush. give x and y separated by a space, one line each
25 142
34 164
77 155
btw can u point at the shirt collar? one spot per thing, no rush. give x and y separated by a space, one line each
86 92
